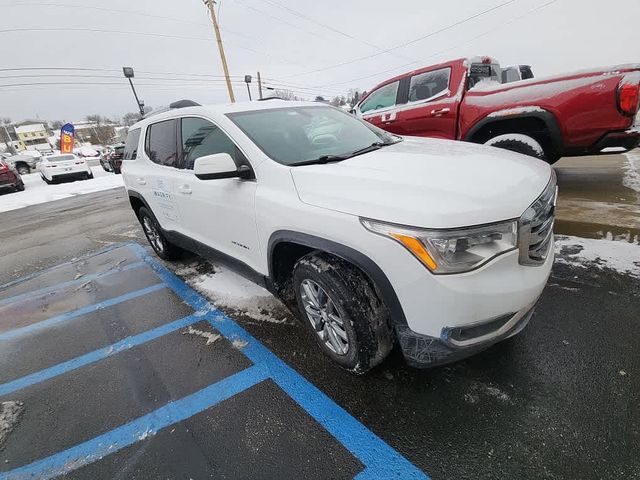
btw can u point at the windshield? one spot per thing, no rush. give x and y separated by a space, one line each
300 134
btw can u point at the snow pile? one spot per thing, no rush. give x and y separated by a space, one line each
632 171
621 257
36 191
9 415
485 85
229 290
517 137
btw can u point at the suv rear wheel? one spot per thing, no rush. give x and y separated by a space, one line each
163 248
343 311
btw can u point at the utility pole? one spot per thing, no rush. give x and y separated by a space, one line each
259 86
128 74
223 59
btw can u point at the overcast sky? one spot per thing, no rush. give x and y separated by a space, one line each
312 47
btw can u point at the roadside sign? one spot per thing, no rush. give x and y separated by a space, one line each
66 138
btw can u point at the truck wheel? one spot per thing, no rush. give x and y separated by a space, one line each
23 169
517 142
163 248
20 186
342 310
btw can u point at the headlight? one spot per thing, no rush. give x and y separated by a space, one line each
452 250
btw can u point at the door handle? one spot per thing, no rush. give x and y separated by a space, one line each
141 181
185 189
440 111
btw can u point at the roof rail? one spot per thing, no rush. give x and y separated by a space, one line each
177 104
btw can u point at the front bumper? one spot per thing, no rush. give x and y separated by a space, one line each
456 343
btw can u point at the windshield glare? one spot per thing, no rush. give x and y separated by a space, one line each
298 134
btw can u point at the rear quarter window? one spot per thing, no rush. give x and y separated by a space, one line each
131 145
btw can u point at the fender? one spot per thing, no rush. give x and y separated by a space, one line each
134 194
364 263
547 118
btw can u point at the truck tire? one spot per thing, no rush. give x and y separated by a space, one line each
23 169
163 248
517 142
341 309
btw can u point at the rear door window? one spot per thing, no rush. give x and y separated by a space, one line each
161 143
131 145
382 98
429 84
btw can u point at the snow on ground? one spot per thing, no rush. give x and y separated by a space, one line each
9 415
623 257
36 191
230 290
632 171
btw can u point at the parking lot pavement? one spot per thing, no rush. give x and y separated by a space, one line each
112 366
600 196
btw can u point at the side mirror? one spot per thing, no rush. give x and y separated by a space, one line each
219 165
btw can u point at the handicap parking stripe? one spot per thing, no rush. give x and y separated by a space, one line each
70 283
100 354
380 460
139 429
65 317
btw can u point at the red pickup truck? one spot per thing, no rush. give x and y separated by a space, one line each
575 114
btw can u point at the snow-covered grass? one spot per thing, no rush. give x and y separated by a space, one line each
621 257
229 290
36 191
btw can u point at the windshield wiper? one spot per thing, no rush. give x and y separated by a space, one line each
337 158
320 160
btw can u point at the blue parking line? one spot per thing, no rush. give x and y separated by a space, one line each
380 460
139 429
65 317
50 269
100 354
70 283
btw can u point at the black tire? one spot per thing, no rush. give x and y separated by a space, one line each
23 169
20 186
163 248
365 319
518 143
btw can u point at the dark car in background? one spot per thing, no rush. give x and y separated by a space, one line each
111 159
10 178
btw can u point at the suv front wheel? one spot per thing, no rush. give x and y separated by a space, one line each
163 248
342 310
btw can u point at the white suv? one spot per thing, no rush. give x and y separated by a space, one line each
442 247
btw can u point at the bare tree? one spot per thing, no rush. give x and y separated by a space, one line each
56 124
130 118
95 118
286 95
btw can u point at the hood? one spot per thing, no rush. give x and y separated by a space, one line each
427 183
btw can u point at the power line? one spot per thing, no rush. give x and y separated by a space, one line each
404 44
324 25
487 32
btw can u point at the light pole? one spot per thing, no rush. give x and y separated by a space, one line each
210 5
128 73
247 80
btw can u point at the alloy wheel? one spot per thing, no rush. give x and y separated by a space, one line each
324 317
152 234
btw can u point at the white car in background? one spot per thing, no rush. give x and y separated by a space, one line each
63 167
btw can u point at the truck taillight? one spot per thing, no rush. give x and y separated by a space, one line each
628 97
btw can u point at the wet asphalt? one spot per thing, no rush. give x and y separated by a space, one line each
560 400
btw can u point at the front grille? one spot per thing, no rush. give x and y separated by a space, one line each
536 227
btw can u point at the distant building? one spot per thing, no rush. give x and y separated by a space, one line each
33 136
